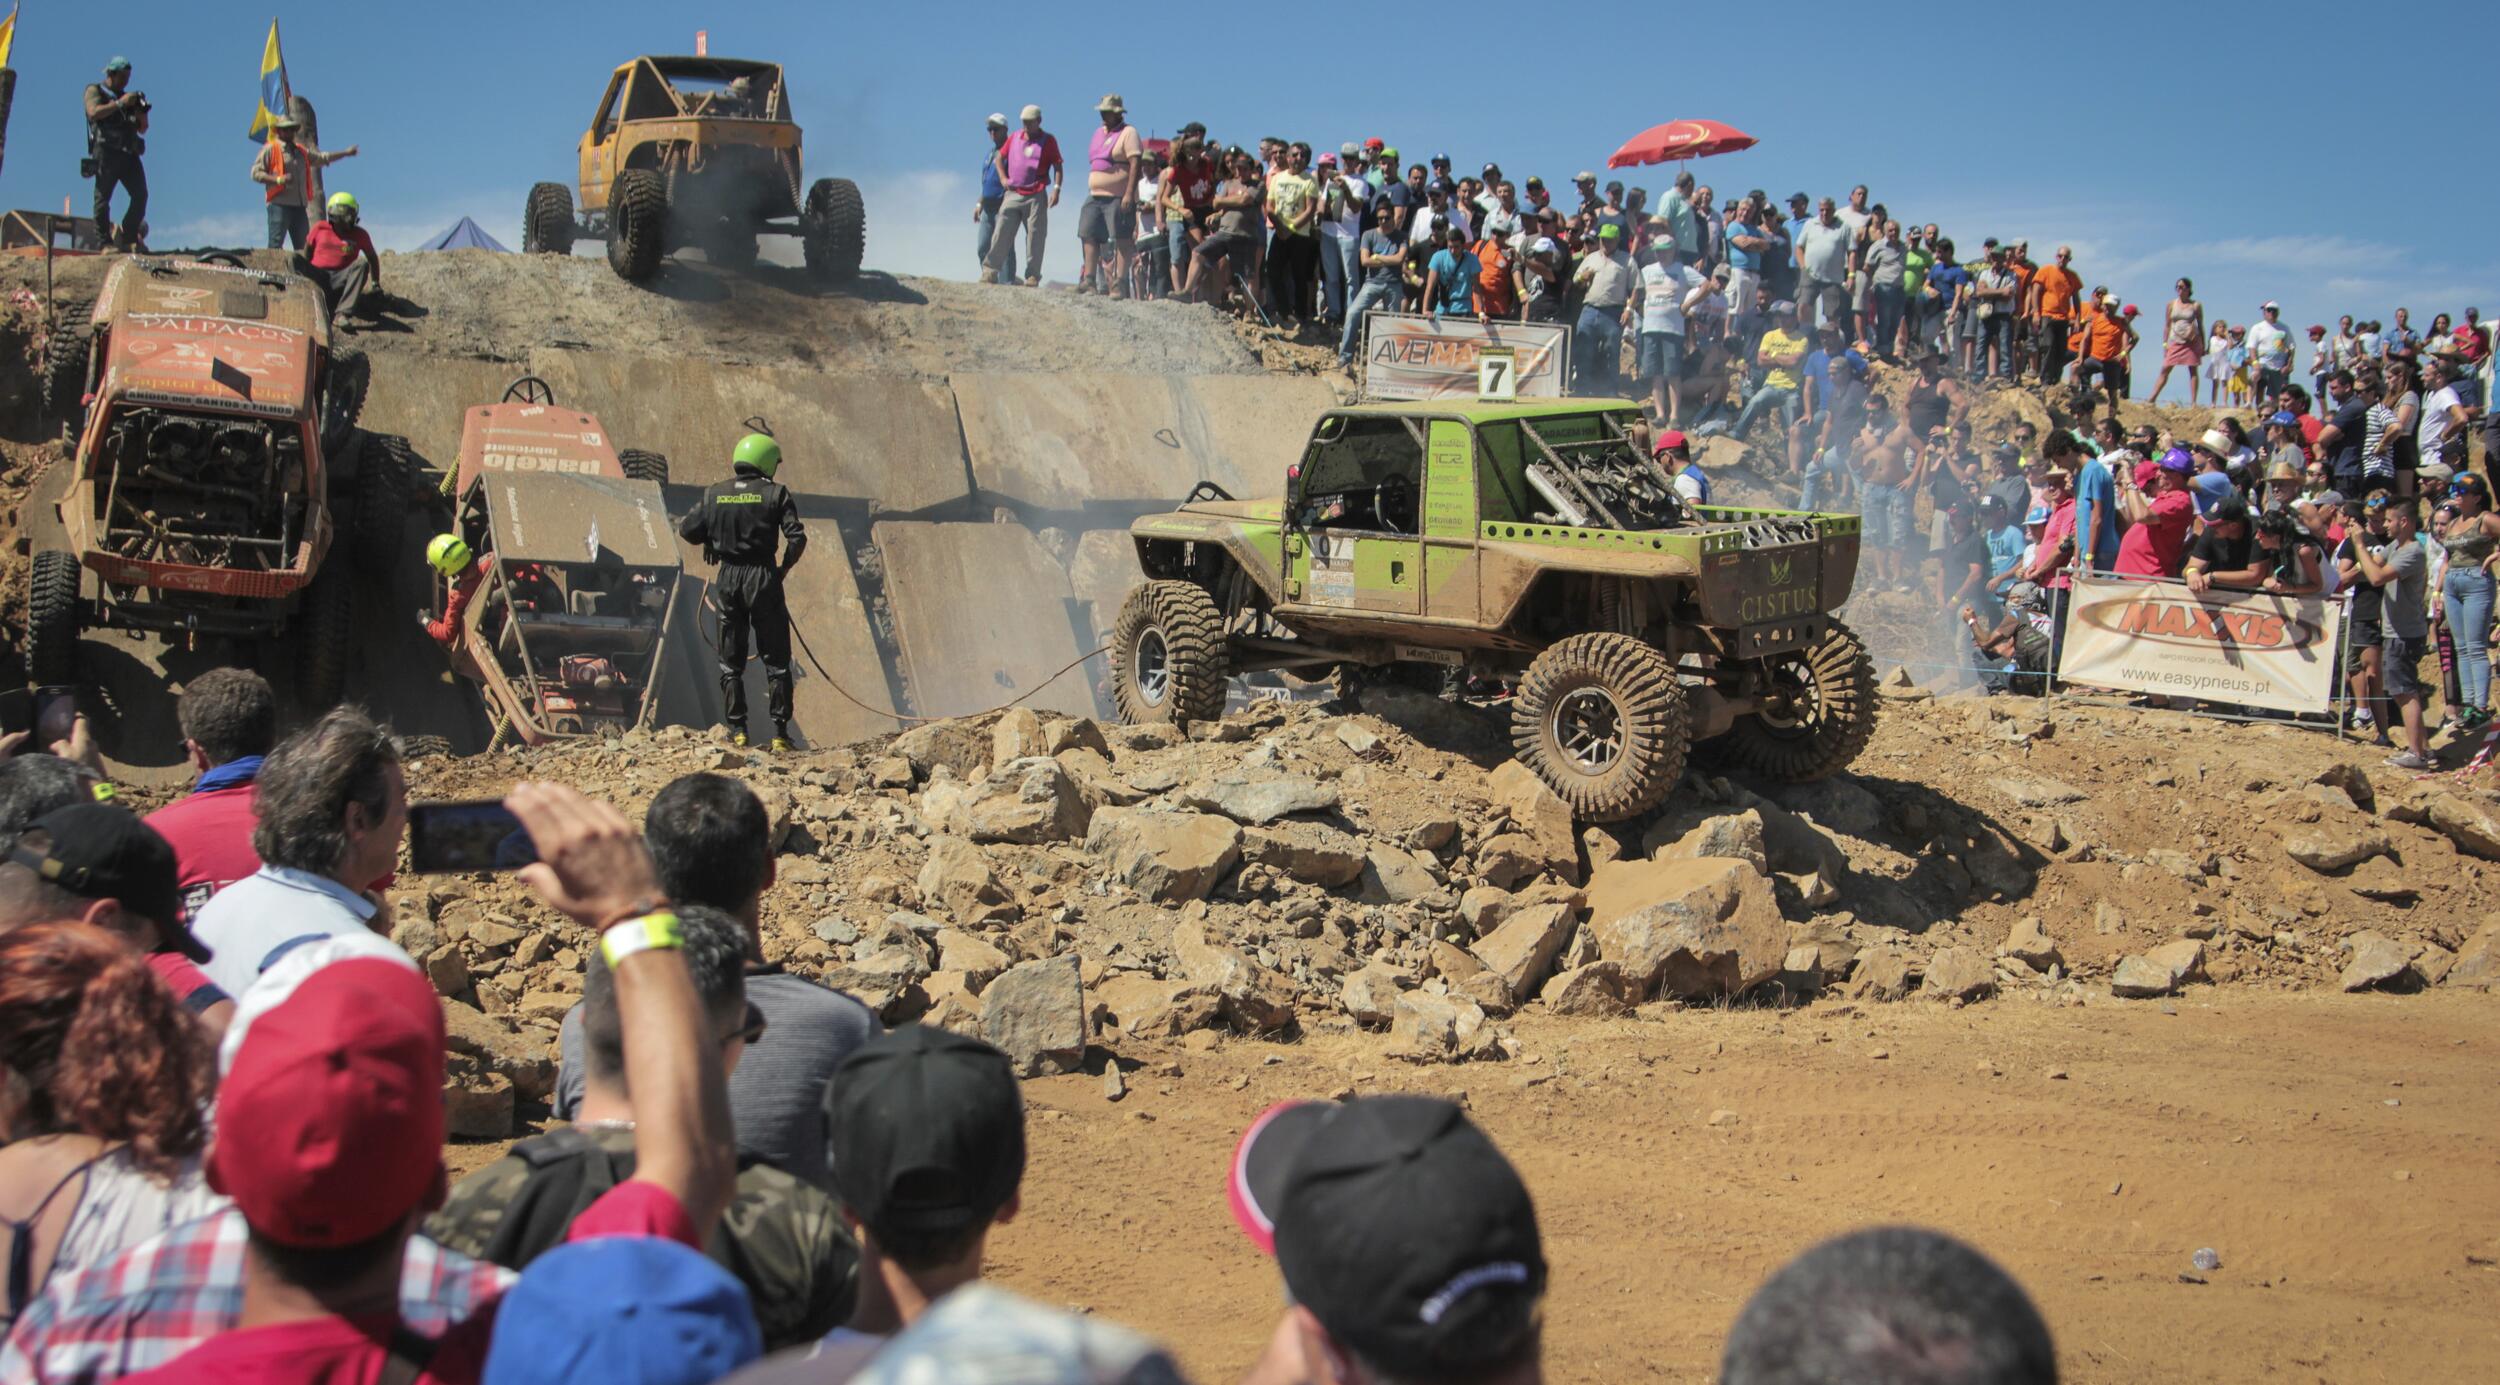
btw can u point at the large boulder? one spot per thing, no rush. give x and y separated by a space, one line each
957 878
2465 824
1096 781
1248 796
1035 1014
1165 856
1792 844
1539 814
1017 735
2026 942
1311 852
957 744
1393 875
1729 836
1255 998
2478 961
1371 994
2158 972
1135 1003
969 955
1958 973
1028 801
1523 949
1688 929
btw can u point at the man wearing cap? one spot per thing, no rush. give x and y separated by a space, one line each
993 192
229 720
1408 1245
1028 164
96 864
117 123
332 805
1674 452
2399 570
2157 520
2226 553
1106 226
1658 298
1607 278
2270 352
329 1139
288 169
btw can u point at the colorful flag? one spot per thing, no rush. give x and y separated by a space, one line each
273 88
8 35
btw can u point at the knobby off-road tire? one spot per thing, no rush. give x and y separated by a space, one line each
1167 655
1826 719
637 224
1602 720
834 227
343 398
323 631
643 466
65 371
52 619
547 221
382 484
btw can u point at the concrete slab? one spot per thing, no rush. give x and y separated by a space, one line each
1065 442
982 612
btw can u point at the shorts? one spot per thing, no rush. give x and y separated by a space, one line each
1103 218
2399 666
2362 636
1227 244
1891 515
1661 355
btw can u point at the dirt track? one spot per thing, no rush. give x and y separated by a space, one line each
2357 1236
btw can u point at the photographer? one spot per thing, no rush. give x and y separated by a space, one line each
117 118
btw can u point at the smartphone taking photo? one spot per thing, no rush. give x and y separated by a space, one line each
447 838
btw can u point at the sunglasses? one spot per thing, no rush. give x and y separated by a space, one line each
750 1030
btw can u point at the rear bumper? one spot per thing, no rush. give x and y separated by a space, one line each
273 585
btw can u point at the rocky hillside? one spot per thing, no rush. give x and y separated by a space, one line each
1057 883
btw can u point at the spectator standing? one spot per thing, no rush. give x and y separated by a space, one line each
1345 204
1382 256
1229 253
2052 308
1030 167
332 805
1187 196
1823 267
288 169
1948 290
1992 289
1106 227
2270 352
2183 339
229 719
108 1080
2342 442
1827 471
1665 283
2326 356
2156 539
1606 277
117 125
2466 593
1885 262
1782 353
1894 1304
1542 282
2439 439
993 192
1450 277
1497 280
2096 511
2399 570
711 844
1408 1245
1745 247
1293 253
94 864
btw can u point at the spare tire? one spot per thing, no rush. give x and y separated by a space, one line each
65 354
643 466
637 224
834 230
52 619
547 220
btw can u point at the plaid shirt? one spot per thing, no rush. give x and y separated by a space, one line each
170 1293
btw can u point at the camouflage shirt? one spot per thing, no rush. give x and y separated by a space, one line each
782 1238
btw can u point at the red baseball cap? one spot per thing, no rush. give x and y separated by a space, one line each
330 1115
1375 143
1671 440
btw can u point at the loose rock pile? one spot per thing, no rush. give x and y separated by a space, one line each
1053 883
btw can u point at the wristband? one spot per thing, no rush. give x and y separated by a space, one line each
658 930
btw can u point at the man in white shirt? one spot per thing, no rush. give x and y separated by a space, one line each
1659 300
2270 352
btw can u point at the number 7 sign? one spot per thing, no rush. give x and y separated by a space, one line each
1497 375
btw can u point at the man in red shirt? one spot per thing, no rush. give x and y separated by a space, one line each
229 721
2155 544
330 1132
1028 164
340 257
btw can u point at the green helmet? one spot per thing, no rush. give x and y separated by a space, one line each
449 553
759 451
344 202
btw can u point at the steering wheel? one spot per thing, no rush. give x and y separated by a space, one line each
529 389
1395 491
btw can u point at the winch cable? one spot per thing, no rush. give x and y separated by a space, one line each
711 639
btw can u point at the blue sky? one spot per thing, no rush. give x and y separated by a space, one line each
460 106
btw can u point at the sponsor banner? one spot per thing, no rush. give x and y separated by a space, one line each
1411 356
2155 636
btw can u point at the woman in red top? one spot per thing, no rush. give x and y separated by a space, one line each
2155 544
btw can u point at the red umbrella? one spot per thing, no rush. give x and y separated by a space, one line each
1677 140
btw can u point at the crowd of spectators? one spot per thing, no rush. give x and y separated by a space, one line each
222 1123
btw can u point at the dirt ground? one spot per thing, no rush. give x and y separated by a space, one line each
2334 1150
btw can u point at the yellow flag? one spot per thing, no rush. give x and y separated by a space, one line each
273 87
8 36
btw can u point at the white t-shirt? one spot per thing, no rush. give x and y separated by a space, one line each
1349 197
2269 346
1149 210
1854 219
2435 425
1662 295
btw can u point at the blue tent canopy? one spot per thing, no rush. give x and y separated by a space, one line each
465 236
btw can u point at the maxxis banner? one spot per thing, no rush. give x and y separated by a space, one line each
1412 356
2252 649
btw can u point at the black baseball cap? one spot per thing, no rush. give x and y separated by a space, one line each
2230 509
1398 1224
927 1131
103 851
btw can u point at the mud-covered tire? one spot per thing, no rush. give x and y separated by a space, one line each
1825 723
1603 721
422 747
637 224
382 502
343 398
323 631
65 370
643 466
547 220
1167 655
52 619
834 230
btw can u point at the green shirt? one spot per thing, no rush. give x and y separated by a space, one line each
1914 267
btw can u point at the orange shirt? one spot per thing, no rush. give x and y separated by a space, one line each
2023 270
2105 336
2058 287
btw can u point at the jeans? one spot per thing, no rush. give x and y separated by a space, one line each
1992 338
1827 475
2466 595
1887 306
1769 396
1181 247
286 221
986 230
2053 355
1336 270
1598 345
1031 213
1373 294
126 171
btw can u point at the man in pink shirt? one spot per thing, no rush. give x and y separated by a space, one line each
1107 226
2156 539
1028 164
229 722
